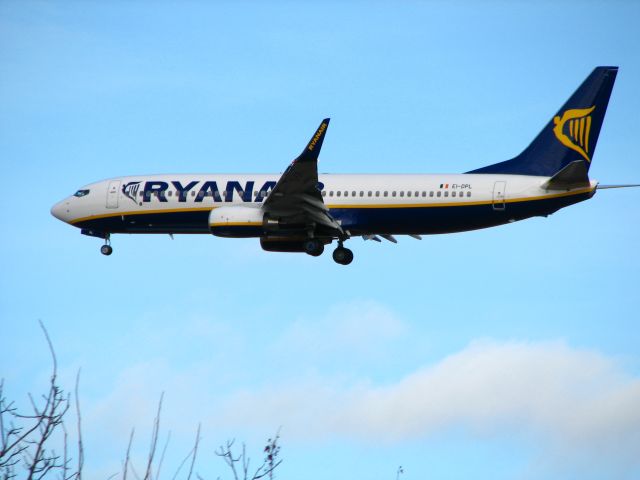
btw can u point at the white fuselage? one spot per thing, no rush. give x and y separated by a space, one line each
380 203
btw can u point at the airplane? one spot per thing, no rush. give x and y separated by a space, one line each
303 211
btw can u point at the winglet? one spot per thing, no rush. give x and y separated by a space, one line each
312 150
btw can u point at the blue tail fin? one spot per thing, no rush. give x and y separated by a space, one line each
570 136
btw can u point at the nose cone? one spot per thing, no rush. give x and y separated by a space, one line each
61 211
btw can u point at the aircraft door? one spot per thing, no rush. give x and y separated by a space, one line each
112 194
499 189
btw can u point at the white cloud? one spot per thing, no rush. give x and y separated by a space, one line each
573 405
202 361
357 327
574 402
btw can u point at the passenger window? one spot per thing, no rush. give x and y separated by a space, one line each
446 193
424 194
453 194
331 193
408 194
385 194
377 193
353 194
338 193
468 194
193 193
431 194
324 193
439 194
369 193
361 193
418 193
402 193
393 194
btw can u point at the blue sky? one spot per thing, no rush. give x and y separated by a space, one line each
504 353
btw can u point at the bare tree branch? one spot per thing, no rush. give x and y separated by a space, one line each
184 460
267 467
65 461
154 440
227 455
164 450
26 439
126 459
79 423
195 452
41 461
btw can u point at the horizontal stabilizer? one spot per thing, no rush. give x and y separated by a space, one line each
573 175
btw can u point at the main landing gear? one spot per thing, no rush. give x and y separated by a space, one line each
106 249
313 247
342 255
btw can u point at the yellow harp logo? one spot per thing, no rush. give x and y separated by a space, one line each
576 135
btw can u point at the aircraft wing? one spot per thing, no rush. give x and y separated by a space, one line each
297 194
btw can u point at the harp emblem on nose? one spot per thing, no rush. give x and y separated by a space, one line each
572 130
130 190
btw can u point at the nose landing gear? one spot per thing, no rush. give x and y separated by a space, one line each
106 249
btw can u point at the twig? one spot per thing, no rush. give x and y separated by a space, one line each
154 440
164 450
126 459
79 417
195 452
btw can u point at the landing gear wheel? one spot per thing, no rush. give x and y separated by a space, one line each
106 249
343 256
313 247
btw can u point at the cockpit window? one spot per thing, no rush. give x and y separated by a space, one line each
81 193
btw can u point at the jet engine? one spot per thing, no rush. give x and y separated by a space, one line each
236 221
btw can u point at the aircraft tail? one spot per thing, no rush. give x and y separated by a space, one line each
571 135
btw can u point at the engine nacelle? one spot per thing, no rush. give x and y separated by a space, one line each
236 221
